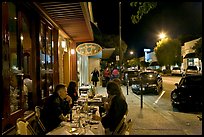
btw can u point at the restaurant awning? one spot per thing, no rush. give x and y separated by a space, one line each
71 17
190 55
107 52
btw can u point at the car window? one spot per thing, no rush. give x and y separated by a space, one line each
191 81
176 69
148 75
192 68
132 73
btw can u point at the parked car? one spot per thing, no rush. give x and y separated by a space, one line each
129 76
176 71
188 93
191 70
148 82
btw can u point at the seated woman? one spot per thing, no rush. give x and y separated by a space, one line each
56 107
116 107
72 91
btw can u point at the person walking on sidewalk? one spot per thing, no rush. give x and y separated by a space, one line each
95 75
115 73
107 74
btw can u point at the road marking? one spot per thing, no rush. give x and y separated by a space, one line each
159 97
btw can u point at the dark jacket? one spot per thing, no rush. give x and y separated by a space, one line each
74 95
115 114
52 109
95 75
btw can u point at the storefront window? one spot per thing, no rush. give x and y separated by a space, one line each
19 48
15 91
26 49
46 60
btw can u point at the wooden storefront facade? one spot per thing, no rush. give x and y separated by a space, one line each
34 45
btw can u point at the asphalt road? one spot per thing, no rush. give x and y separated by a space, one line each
163 101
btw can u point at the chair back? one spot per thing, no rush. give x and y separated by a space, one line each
37 111
121 126
39 122
24 127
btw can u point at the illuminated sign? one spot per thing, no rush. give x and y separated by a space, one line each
147 50
88 49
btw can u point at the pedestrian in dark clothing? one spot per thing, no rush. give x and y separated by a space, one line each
95 75
56 107
72 91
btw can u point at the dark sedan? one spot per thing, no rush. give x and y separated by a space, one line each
188 93
148 82
130 76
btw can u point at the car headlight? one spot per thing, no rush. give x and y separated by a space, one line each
152 85
134 86
174 95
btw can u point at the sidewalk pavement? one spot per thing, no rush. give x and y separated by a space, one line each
150 121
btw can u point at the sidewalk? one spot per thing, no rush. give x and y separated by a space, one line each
149 121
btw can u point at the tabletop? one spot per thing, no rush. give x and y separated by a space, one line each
82 123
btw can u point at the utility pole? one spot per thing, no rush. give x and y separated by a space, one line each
120 49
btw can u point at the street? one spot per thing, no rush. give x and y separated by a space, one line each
184 123
163 101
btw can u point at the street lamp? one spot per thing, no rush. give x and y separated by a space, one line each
131 52
162 35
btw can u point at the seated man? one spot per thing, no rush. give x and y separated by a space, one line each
56 107
116 107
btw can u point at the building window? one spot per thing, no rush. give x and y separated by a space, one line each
46 60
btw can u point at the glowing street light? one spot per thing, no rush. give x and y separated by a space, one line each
162 35
131 52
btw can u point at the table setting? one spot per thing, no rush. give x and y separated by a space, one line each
81 123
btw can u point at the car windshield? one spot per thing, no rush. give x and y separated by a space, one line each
132 73
148 75
176 69
191 81
192 68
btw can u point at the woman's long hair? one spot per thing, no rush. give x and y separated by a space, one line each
113 88
71 87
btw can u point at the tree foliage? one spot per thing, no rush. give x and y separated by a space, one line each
142 9
168 52
198 48
134 62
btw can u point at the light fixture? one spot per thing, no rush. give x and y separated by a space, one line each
63 44
72 51
162 35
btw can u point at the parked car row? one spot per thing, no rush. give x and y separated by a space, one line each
188 71
145 82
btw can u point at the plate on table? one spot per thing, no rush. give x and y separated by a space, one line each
93 122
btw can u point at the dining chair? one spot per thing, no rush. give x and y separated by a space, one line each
129 126
24 127
121 126
39 122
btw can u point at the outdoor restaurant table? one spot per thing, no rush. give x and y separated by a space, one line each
95 101
72 128
84 89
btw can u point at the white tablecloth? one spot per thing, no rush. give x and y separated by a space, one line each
68 128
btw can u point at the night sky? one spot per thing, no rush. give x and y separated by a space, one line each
173 18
